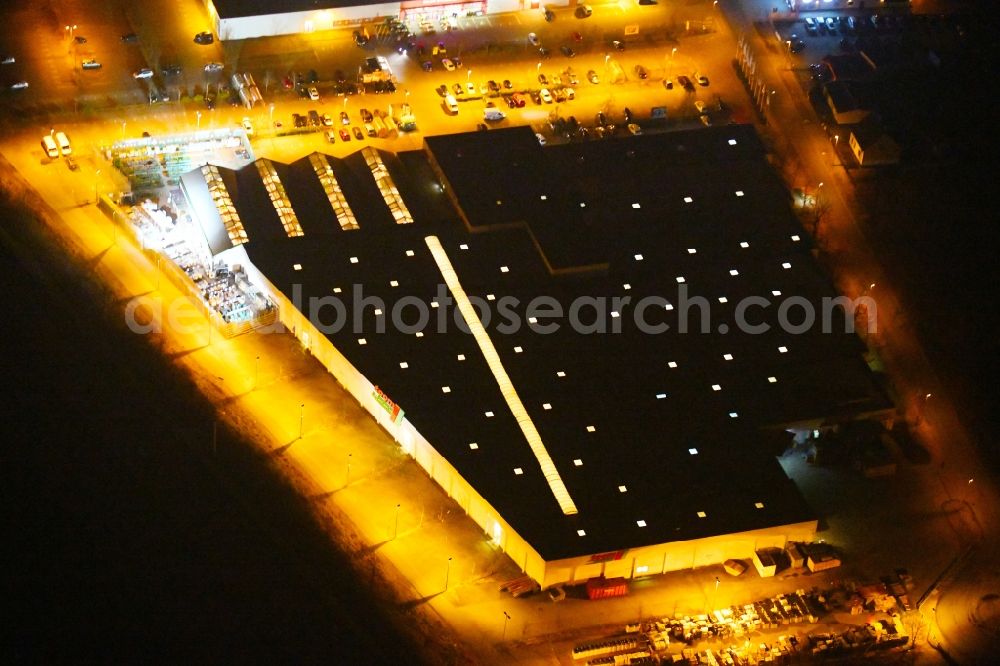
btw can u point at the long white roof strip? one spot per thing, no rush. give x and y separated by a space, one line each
345 216
482 338
279 198
224 204
386 186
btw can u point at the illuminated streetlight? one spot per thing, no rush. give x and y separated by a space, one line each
256 372
447 573
506 619
395 526
347 480
836 139
271 110
538 68
124 122
70 29
198 116
97 176
302 416
468 75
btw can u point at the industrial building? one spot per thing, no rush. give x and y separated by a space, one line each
601 448
244 19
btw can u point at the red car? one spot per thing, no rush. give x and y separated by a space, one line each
288 83
577 37
518 100
345 135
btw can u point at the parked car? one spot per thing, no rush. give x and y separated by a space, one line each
545 95
567 51
345 135
668 84
573 80
641 72
493 86
618 45
344 118
685 83
314 118
542 79
358 134
366 116
535 97
810 26
19 85
592 77
327 120
584 11
313 93
331 136
90 63
544 52
533 39
298 120
247 126
541 139
458 89
831 25
213 67
518 100
144 73
427 65
204 38
634 129
549 16
507 85
702 80
472 87
797 46
448 64
80 39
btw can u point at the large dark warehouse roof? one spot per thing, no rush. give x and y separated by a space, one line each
657 437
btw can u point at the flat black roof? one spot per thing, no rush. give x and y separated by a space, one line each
242 8
676 419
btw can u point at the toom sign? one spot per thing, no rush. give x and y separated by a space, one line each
608 557
388 405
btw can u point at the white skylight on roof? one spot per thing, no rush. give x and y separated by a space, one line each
638 257
668 307
642 569
626 286
532 320
702 514
518 471
732 142
463 246
795 238
409 253
733 415
640 523
546 405
461 357
543 197
614 314
693 452
560 373
680 279
362 341
499 203
661 396
581 533
728 357
591 428
489 415
473 445
723 299
435 304
378 312
404 365
297 267
445 389
786 265
672 364
739 193
490 297
759 505
578 462
337 290
393 283
636 205
354 260
419 334
623 489
583 205
744 244
733 271
688 199
716 387
692 250
782 349
504 269
518 350
772 380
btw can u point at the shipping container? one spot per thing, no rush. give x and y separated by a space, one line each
606 588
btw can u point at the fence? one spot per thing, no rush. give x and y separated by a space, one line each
179 279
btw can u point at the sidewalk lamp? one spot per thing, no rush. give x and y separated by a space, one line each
97 179
271 110
198 116
836 140
124 122
302 416
70 29
447 573
506 619
468 75
256 371
395 525
348 479
538 68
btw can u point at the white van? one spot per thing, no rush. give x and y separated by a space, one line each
451 103
49 146
63 142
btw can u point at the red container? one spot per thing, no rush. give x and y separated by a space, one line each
606 588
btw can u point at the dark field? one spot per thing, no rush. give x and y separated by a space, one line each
124 539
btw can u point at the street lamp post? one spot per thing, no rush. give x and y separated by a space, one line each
97 176
468 75
198 116
395 525
447 573
271 111
506 619
256 371
302 416
347 480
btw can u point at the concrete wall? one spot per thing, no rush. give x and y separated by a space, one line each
291 23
